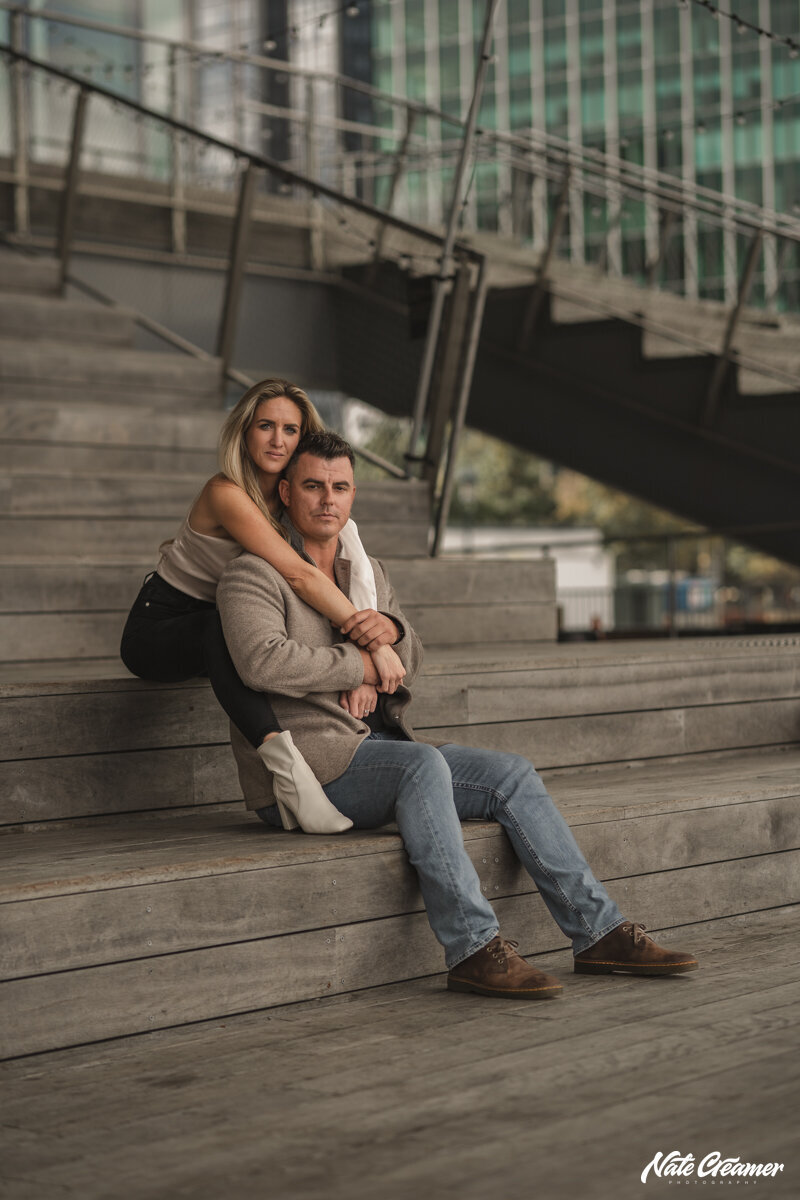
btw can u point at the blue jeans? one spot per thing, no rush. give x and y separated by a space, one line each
428 793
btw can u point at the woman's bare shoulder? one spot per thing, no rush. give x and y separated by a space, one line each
205 514
220 481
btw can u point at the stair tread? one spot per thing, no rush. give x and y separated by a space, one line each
147 850
81 675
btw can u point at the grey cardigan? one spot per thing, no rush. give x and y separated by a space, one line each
280 645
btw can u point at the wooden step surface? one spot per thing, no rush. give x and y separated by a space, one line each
60 584
117 744
442 1093
72 609
146 925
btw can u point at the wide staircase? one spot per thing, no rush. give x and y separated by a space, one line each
136 891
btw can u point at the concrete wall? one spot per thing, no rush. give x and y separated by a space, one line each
286 326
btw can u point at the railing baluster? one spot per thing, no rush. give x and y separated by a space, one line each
20 131
226 340
460 411
721 367
401 157
177 195
667 228
72 178
447 371
536 297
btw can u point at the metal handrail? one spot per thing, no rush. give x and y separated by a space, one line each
227 328
314 186
668 190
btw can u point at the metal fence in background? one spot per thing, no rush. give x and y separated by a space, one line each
686 583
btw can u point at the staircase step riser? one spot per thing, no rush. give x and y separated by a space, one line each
106 460
142 536
62 636
30 276
125 392
30 493
63 320
170 913
97 587
88 425
86 742
51 362
172 989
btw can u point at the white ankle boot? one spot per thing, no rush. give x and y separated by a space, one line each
301 800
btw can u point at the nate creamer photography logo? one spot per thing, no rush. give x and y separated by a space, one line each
679 1168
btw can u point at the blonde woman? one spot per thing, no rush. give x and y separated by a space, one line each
173 631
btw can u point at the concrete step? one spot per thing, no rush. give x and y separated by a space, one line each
88 423
111 931
87 741
54 319
30 492
92 536
101 459
71 515
33 492
18 273
44 369
68 610
59 584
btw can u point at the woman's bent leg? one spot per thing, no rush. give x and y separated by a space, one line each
169 637
250 711
163 636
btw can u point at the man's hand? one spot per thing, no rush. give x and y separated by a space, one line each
390 669
371 629
361 701
370 670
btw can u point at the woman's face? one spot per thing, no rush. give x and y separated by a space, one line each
273 434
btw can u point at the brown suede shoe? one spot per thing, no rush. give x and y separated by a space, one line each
497 970
628 948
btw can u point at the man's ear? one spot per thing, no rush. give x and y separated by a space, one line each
283 491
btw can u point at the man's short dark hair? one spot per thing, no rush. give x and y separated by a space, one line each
325 444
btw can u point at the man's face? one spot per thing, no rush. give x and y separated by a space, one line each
318 495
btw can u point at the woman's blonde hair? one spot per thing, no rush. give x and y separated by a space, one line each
235 462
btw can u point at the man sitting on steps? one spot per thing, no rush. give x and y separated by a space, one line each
375 772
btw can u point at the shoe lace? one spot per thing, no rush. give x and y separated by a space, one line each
501 948
636 931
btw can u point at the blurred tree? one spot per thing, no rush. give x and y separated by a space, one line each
497 484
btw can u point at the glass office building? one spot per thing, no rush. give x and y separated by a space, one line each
660 83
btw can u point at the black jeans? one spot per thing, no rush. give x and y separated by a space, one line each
170 636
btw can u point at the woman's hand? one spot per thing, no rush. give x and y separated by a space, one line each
371 629
361 701
389 667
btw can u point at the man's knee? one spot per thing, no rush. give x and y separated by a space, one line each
428 773
425 759
521 780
